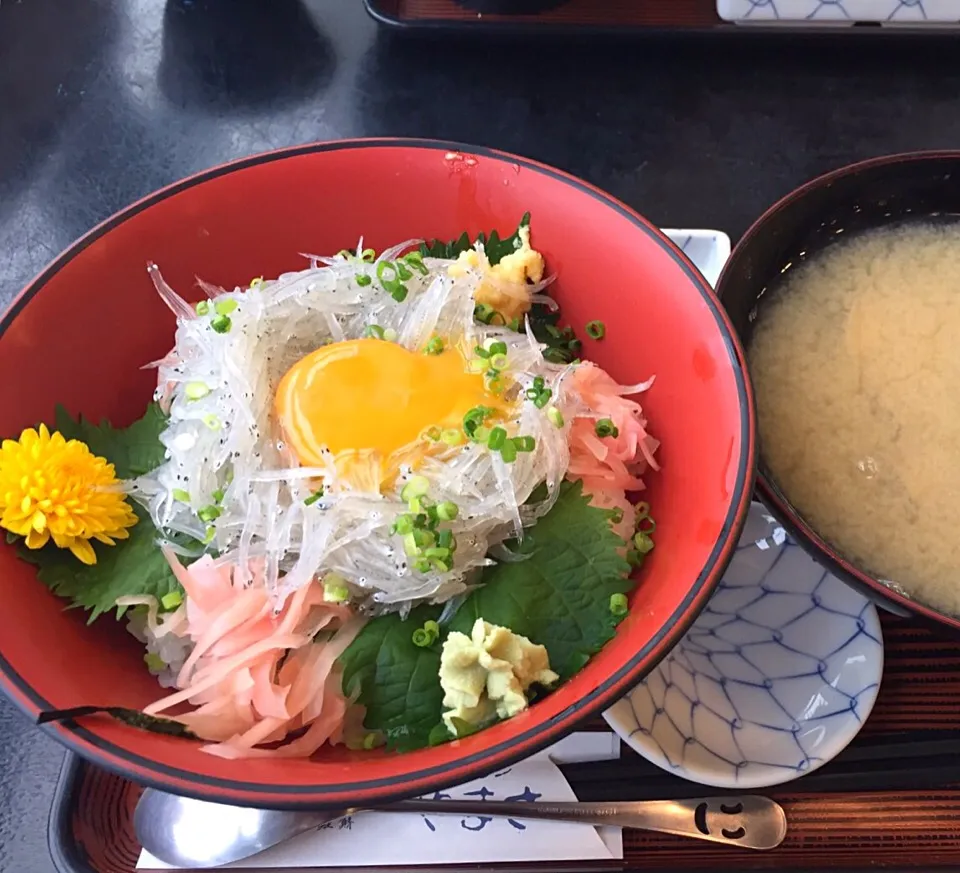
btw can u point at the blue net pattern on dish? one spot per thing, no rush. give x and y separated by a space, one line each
834 10
777 673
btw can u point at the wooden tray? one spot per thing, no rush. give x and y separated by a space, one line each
91 824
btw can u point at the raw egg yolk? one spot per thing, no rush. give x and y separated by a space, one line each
369 395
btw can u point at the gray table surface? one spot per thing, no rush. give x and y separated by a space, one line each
102 101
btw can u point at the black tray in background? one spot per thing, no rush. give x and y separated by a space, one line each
647 19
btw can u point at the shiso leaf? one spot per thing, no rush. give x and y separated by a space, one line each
559 597
133 450
543 321
398 682
133 566
496 249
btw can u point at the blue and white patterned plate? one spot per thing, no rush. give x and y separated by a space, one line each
909 12
775 678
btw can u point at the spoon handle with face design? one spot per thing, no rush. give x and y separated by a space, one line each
749 821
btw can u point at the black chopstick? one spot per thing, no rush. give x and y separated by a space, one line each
910 761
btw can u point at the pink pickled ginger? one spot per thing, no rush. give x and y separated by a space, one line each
257 675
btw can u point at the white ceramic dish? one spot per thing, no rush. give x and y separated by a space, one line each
775 678
708 249
894 12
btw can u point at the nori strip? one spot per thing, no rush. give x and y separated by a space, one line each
133 717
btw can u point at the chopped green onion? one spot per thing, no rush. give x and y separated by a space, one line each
345 253
363 280
479 365
524 443
410 546
538 383
433 433
474 418
596 330
403 271
403 525
398 293
154 662
634 558
335 588
484 313
218 495
221 323
418 486
508 451
373 331
446 540
181 495
209 535
256 283
225 307
435 346
643 510
424 537
171 600
481 352
447 511
422 565
368 255
618 604
432 627
313 498
606 428
382 269
212 421
642 542
499 362
616 515
415 260
370 741
423 638
553 331
555 416
437 552
196 390
496 439
203 307
390 335
209 513
498 348
543 398
515 324
451 437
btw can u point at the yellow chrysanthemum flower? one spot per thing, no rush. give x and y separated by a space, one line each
52 488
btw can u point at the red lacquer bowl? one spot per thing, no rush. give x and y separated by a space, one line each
79 333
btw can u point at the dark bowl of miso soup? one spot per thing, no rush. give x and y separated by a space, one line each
846 295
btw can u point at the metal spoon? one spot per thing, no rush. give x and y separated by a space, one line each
197 834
